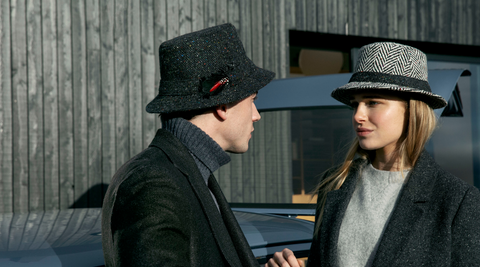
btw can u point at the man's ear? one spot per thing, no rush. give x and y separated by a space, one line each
221 111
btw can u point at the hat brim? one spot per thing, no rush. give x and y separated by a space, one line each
233 91
344 93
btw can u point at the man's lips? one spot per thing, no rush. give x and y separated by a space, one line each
363 131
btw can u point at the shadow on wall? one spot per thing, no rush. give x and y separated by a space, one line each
93 198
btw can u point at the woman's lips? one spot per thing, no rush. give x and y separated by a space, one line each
363 131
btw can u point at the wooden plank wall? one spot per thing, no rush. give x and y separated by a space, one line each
76 75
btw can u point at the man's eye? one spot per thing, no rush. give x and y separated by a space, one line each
372 103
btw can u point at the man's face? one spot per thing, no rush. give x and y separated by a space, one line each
240 124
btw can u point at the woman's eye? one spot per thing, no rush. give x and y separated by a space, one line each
372 103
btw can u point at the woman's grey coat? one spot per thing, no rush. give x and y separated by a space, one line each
158 211
436 221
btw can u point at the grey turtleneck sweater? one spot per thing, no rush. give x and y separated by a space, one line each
208 155
367 214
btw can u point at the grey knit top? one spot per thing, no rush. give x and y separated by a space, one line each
367 214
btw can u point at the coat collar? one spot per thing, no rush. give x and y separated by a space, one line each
407 212
184 162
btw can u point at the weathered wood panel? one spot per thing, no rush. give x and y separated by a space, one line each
20 107
51 110
136 108
160 31
94 104
6 124
148 69
80 101
65 105
122 82
76 75
35 106
109 143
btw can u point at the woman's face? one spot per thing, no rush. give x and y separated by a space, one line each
379 120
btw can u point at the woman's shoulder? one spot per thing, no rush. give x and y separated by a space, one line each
443 183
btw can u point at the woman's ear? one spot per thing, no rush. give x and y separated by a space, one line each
221 111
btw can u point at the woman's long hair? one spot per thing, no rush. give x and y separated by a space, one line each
421 124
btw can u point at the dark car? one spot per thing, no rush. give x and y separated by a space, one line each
73 237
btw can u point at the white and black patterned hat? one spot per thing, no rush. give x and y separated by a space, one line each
394 67
204 69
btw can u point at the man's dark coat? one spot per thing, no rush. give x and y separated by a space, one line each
436 221
158 211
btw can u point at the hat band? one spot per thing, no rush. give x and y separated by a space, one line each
376 77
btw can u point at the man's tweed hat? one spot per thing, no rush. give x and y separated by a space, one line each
393 67
204 69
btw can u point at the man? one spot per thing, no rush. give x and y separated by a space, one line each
164 207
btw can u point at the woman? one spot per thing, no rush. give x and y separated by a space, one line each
389 203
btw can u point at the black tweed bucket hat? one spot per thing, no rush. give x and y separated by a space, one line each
394 67
204 69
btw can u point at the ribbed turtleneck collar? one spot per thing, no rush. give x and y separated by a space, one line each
208 155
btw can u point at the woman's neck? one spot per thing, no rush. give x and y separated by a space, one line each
388 162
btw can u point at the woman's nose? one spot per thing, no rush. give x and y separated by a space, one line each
359 114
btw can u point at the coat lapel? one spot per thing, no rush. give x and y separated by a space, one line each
406 216
238 238
183 161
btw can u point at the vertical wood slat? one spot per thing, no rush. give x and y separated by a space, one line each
135 79
160 32
244 27
6 123
354 17
300 17
35 105
311 18
322 16
342 17
148 68
94 104
50 99
108 90
19 106
198 21
221 12
65 104
185 16
233 13
173 28
421 16
402 22
474 6
121 83
209 15
383 23
332 16
80 110
229 11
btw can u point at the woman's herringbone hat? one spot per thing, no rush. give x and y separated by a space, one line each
393 67
204 69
